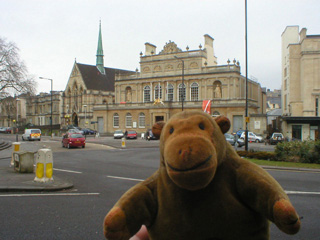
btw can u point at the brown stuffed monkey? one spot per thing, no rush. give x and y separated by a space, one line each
202 189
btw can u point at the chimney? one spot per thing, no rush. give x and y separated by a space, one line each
303 34
208 45
150 49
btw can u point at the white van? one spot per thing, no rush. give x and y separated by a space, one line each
31 134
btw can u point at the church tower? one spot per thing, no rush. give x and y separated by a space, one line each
99 61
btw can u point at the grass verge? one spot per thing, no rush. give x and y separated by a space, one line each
284 164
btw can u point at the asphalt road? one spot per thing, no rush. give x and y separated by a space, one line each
101 175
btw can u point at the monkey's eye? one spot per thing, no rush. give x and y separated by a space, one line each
201 126
171 130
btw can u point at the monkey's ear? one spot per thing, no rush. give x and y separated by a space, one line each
157 128
223 122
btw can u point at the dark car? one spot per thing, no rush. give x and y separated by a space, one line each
8 130
131 134
276 138
88 131
73 140
150 135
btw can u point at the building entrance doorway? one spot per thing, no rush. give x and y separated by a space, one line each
75 119
159 118
296 132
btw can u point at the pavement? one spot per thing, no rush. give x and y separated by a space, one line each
12 181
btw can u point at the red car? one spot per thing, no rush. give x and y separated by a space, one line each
73 140
131 134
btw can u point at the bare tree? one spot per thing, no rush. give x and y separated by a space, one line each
13 72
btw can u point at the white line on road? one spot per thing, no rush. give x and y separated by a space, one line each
62 170
49 194
298 192
123 178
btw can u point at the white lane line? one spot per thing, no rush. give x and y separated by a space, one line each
298 192
123 178
62 170
49 194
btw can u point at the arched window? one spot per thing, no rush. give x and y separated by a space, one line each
116 120
142 120
215 114
217 89
146 94
194 91
128 94
128 120
170 92
157 92
182 92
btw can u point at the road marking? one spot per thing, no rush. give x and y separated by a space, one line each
291 170
298 192
123 178
70 171
49 194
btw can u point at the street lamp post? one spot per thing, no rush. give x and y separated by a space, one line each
246 49
85 115
51 101
17 139
183 92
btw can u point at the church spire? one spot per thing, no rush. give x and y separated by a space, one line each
99 61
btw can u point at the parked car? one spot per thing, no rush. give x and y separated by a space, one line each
8 130
70 140
150 135
276 138
88 131
131 134
118 134
31 134
75 130
252 137
3 129
232 140
239 132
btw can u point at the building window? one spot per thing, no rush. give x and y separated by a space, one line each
285 102
170 92
157 92
116 120
285 72
128 120
142 120
146 94
285 84
215 114
317 106
194 91
182 92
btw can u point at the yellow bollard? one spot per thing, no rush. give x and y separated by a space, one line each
123 142
44 166
16 148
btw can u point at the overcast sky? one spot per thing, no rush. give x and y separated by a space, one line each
51 34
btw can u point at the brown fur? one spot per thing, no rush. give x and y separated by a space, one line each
202 189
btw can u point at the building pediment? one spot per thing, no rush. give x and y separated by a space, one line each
170 47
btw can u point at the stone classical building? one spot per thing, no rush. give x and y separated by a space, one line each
173 80
38 109
300 84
